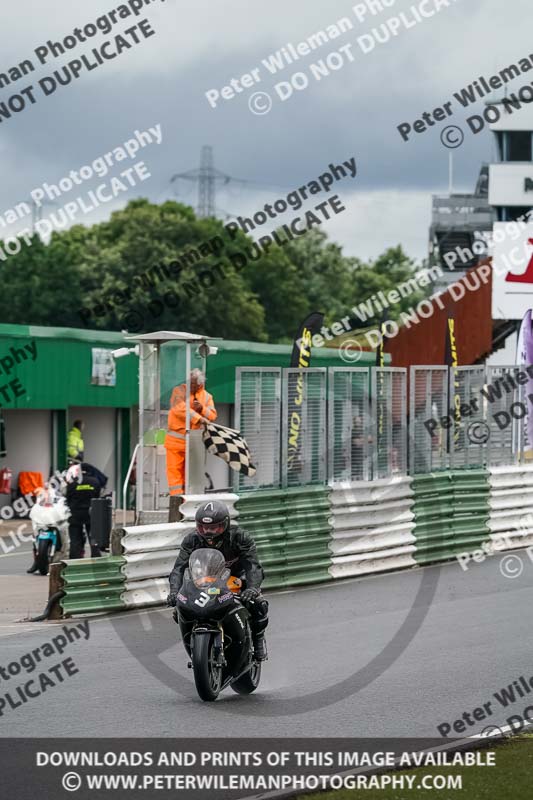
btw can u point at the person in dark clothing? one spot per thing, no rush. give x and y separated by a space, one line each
90 469
213 529
79 495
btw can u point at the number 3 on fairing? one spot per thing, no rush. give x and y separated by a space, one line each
203 600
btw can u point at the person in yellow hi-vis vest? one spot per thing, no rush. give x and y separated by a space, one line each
75 445
202 410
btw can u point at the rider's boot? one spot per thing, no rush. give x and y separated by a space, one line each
260 648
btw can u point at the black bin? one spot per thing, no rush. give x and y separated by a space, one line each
101 513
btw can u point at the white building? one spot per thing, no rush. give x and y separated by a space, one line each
511 196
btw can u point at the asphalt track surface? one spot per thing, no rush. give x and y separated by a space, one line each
472 639
17 561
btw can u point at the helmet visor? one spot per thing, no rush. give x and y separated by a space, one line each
210 529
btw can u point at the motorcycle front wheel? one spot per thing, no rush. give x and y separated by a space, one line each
42 559
248 682
207 675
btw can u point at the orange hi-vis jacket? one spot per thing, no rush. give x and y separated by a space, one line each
175 438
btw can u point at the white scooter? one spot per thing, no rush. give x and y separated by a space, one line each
49 517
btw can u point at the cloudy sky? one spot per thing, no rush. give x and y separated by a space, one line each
201 45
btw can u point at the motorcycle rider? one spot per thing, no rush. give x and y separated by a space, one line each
213 529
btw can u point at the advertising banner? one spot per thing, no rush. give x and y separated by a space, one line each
512 284
300 358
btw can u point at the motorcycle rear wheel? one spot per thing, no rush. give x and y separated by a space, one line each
207 676
248 682
42 559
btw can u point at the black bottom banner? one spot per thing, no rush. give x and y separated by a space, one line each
235 769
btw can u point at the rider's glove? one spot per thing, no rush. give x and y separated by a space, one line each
172 599
249 595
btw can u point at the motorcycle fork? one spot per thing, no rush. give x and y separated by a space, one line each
218 647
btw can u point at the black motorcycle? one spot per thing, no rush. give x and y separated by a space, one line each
215 627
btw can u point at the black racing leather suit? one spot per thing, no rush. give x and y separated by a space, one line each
240 554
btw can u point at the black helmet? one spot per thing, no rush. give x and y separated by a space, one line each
212 521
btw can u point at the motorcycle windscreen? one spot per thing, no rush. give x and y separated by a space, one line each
206 566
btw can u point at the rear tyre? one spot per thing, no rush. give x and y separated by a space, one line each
248 682
42 559
207 675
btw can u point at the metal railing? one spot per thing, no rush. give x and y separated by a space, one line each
467 445
505 439
461 210
317 426
303 429
258 417
389 421
349 424
428 405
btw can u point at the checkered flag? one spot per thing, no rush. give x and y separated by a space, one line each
229 445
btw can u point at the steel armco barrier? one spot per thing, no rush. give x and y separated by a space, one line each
315 534
137 578
371 526
92 584
151 550
451 511
149 555
292 533
511 506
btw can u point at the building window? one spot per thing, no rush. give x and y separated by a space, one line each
501 146
519 146
513 213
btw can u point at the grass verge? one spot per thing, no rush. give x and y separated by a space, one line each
510 779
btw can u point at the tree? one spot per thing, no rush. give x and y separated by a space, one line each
154 267
335 283
134 250
327 276
390 270
40 285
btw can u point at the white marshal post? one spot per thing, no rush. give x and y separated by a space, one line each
151 500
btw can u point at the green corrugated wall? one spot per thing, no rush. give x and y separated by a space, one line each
60 376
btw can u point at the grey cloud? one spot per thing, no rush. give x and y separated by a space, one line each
352 112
